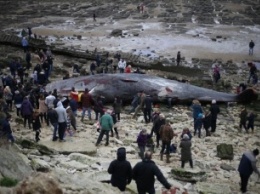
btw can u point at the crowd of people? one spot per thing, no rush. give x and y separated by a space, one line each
25 92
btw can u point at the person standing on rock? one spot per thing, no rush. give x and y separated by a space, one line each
140 105
120 170
251 119
6 129
36 124
94 17
87 101
141 141
158 122
62 120
198 124
52 117
121 65
117 106
214 110
147 110
243 118
178 59
196 110
185 146
166 134
246 167
25 44
106 124
144 172
113 115
251 47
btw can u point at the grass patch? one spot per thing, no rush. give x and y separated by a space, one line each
8 182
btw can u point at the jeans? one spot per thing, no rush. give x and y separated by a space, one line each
167 146
55 125
121 70
106 132
61 130
84 111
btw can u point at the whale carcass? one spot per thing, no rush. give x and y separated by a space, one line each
126 85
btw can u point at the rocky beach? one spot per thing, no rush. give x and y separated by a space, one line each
204 31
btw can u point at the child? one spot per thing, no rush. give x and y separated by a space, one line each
186 131
36 124
142 141
251 119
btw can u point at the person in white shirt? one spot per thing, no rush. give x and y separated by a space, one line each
49 100
121 65
62 120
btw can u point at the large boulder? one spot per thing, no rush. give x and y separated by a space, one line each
12 164
213 188
116 32
39 183
188 175
225 151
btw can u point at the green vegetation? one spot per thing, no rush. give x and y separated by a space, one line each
8 182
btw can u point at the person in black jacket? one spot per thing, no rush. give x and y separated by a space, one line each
6 129
214 110
144 172
113 115
36 125
52 117
159 121
121 170
148 105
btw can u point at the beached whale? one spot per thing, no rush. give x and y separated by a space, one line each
126 85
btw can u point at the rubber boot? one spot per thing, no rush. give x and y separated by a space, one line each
161 156
167 158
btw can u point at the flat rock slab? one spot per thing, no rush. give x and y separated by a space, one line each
210 188
82 146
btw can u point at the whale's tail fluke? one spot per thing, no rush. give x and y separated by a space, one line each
247 95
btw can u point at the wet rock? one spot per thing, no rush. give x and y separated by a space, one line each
225 151
188 175
39 183
227 167
40 165
116 32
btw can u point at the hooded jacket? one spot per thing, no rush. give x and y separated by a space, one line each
121 170
26 108
62 114
247 164
144 172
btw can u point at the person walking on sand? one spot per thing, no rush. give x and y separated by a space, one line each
246 167
251 47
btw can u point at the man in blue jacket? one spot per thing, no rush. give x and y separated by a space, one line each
246 167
